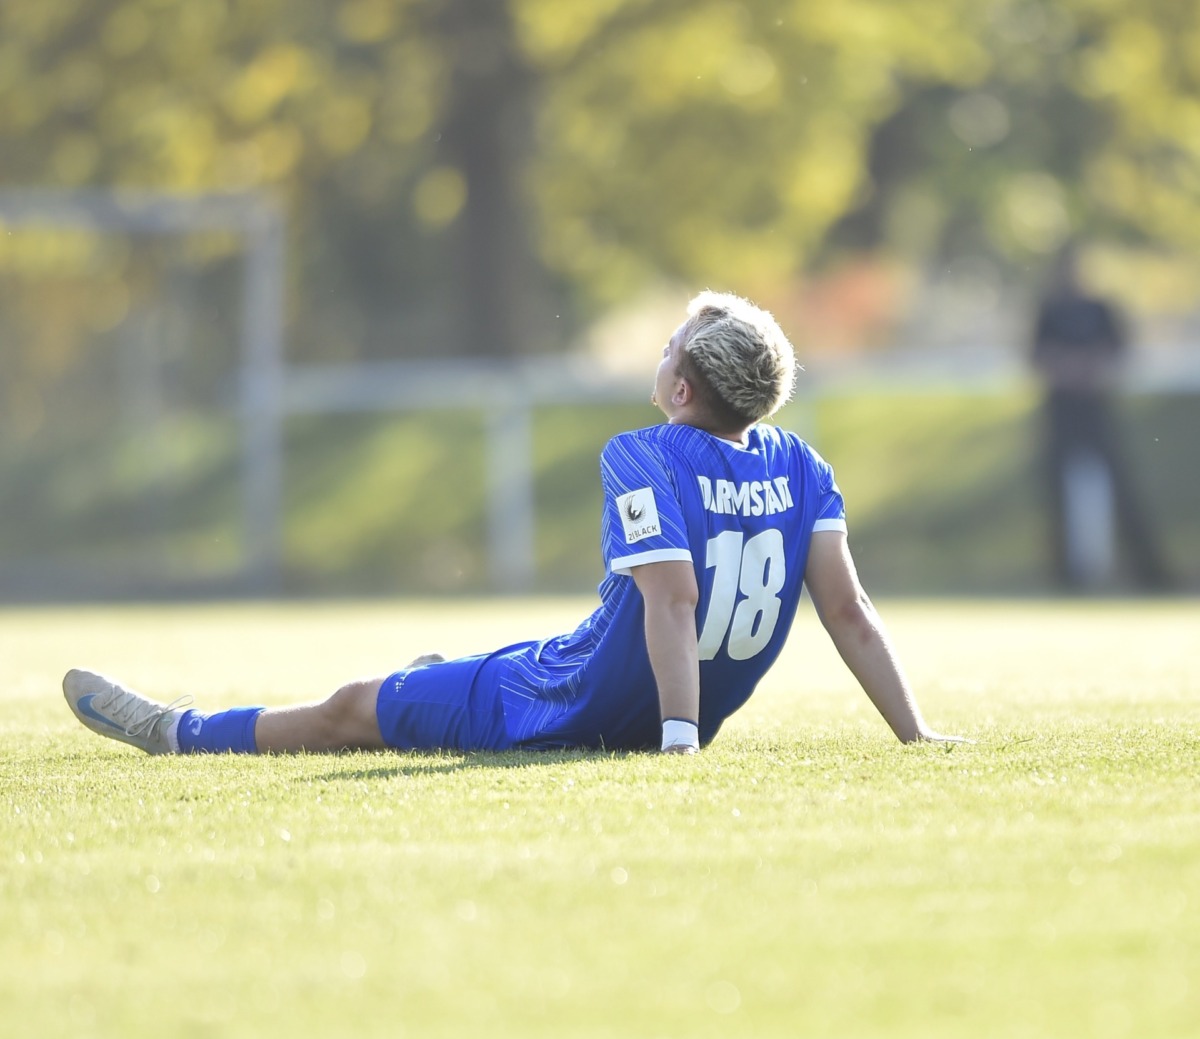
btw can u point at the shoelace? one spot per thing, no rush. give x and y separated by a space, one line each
124 708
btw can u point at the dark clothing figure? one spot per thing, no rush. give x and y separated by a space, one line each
1079 344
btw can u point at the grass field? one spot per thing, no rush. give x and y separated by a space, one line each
806 876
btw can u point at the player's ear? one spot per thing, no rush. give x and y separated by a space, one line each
683 392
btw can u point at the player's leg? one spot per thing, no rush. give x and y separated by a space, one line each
345 721
430 704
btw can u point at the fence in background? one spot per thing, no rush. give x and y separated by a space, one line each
268 389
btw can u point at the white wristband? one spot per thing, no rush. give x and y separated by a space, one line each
680 733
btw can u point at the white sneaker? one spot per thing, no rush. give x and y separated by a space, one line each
107 708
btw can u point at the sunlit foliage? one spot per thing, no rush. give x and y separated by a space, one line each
431 151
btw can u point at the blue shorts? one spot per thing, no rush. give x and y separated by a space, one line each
452 705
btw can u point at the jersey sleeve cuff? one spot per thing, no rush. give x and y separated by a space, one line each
623 564
830 524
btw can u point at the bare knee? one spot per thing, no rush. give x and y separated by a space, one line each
349 714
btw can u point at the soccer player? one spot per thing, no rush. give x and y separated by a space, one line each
712 524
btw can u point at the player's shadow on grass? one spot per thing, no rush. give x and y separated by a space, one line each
418 763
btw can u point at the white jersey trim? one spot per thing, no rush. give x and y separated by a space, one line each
830 524
623 564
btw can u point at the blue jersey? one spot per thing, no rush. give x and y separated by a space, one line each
743 517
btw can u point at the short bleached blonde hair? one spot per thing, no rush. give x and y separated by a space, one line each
741 353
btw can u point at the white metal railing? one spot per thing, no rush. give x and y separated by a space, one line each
505 392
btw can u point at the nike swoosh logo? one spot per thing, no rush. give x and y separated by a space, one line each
85 708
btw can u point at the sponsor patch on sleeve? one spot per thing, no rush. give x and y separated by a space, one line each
639 515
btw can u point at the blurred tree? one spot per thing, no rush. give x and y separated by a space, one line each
390 127
456 170
1081 117
716 141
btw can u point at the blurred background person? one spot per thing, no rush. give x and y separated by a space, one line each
1080 341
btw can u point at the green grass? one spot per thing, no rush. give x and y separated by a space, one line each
806 876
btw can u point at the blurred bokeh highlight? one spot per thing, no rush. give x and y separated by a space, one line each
345 297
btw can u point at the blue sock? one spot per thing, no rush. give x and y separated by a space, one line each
231 730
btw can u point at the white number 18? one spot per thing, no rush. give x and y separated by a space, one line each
757 568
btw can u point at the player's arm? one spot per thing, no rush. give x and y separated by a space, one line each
670 594
859 635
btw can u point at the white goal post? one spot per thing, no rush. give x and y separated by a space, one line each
258 223
270 389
